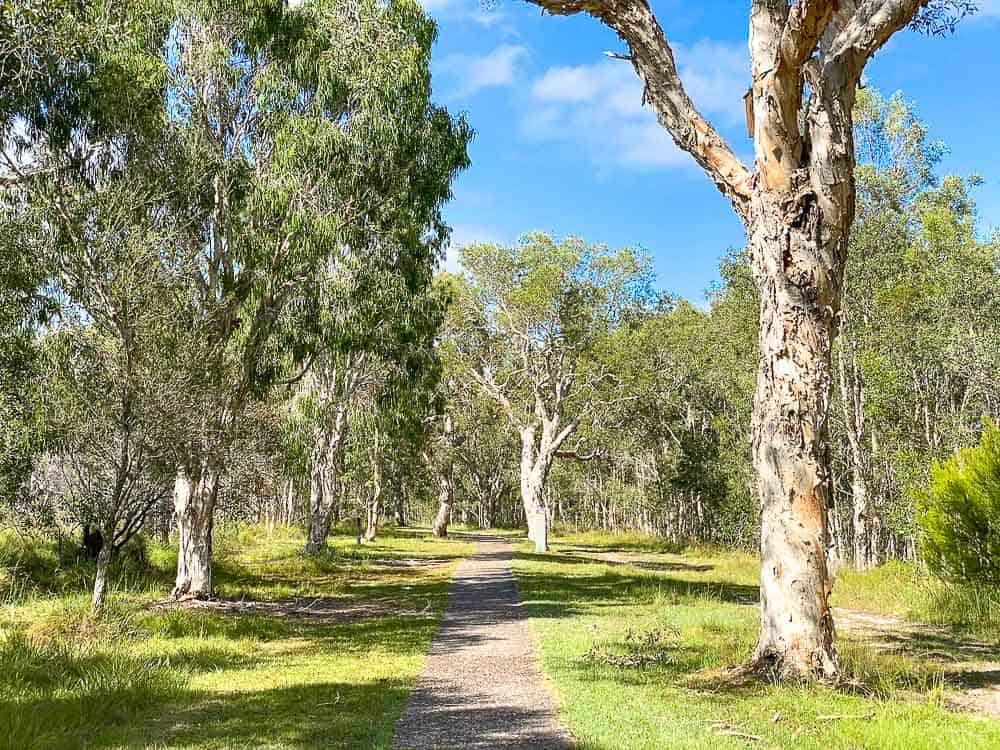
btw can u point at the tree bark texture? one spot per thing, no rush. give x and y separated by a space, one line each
536 461
194 506
335 386
445 482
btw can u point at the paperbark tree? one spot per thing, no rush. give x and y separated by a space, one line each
335 384
797 206
527 322
446 479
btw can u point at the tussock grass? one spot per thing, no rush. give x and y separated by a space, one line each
171 677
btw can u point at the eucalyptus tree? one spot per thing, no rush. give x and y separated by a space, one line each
309 135
665 364
797 205
62 106
915 361
530 317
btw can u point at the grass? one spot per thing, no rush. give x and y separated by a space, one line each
192 678
904 590
637 656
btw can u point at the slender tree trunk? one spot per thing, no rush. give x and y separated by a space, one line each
319 517
445 482
194 505
852 405
443 516
375 507
101 576
323 498
799 278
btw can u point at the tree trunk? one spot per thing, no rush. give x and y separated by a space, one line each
323 498
319 517
800 278
375 507
534 509
443 516
445 488
101 577
194 505
852 404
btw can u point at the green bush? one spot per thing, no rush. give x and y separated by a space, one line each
961 517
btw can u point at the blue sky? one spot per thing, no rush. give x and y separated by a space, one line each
564 145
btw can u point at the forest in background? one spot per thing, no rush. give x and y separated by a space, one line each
216 309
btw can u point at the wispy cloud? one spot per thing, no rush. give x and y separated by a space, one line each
473 73
600 105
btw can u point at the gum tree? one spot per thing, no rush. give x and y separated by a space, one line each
309 136
528 320
797 206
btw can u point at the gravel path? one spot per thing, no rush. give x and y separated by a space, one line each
481 687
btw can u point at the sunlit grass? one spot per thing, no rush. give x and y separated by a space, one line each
695 616
167 677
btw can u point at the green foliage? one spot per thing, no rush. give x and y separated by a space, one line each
961 519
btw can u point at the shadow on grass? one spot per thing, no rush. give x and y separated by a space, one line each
58 697
556 594
664 567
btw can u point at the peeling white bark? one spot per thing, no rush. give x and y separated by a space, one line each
194 506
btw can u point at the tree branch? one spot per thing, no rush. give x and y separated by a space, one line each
874 22
653 60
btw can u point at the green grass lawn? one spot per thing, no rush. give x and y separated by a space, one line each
191 678
636 655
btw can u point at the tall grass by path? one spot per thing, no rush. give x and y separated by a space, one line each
191 678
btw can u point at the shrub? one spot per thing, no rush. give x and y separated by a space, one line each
961 517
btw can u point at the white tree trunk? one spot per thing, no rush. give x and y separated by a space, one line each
323 496
440 528
800 286
101 577
194 505
445 482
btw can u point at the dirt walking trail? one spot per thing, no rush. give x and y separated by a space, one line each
481 686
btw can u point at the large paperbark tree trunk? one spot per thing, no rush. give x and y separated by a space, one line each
536 460
799 277
194 506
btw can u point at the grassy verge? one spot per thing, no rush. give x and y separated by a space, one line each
191 678
637 656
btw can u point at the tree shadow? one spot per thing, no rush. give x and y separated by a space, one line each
584 559
553 594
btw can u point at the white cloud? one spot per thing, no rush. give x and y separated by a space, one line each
600 105
472 73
